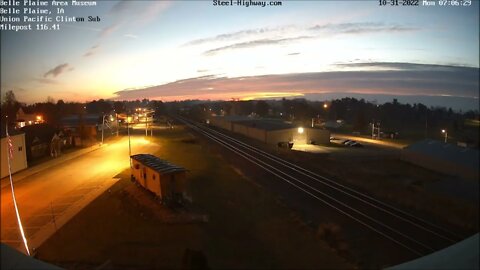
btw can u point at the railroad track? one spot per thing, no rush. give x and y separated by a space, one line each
413 233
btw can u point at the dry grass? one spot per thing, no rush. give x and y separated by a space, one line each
388 178
332 234
403 184
247 228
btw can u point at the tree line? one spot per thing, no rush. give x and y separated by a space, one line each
410 120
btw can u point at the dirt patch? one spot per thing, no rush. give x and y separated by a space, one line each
152 208
334 236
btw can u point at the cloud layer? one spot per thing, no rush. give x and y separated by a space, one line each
251 38
362 28
256 43
56 71
399 79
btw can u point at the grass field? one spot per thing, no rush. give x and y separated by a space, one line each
381 173
247 227
397 182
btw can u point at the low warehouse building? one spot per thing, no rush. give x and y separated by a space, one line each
271 131
444 158
226 122
164 179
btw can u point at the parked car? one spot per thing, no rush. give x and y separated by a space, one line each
355 144
346 142
350 143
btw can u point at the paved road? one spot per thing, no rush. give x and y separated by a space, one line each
49 198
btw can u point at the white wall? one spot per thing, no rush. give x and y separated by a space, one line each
19 161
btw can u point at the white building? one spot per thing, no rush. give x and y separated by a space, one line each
19 161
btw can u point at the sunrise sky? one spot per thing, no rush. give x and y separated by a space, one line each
194 50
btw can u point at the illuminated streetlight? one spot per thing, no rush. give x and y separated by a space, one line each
300 130
325 105
444 131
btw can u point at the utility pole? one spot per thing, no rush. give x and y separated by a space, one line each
373 129
116 120
9 153
146 125
378 128
103 126
129 143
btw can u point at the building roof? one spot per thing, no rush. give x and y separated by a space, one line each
260 123
76 120
459 155
265 124
159 165
25 110
235 118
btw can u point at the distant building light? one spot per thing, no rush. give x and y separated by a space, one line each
39 118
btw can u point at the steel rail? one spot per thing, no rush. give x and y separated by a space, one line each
251 158
309 174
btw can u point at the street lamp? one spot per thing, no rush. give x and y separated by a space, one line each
300 130
146 124
444 131
103 126
325 105
129 144
116 121
151 126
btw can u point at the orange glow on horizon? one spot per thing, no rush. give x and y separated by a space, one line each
266 95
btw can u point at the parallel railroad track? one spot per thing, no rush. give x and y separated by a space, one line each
410 232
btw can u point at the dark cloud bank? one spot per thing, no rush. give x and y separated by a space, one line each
439 85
